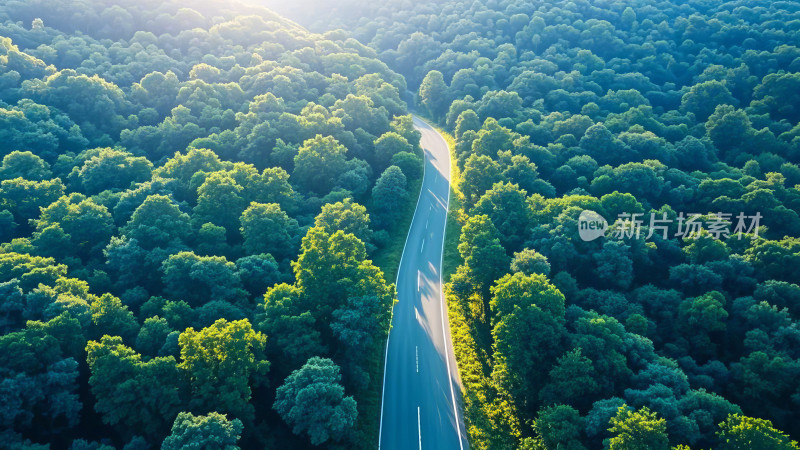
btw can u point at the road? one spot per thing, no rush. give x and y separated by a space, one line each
421 387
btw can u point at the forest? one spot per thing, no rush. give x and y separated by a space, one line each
190 204
661 108
199 202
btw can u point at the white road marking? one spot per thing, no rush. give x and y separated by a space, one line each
419 429
416 350
423 245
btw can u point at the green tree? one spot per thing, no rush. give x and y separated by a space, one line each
347 216
359 324
740 432
483 254
703 98
572 381
638 430
334 267
529 262
389 195
88 225
158 222
199 279
519 362
109 169
560 427
111 317
210 432
506 205
220 201
319 163
137 395
479 175
433 93
25 165
24 198
387 146
292 328
311 400
266 228
222 361
522 290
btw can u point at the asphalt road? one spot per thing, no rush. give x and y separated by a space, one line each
421 387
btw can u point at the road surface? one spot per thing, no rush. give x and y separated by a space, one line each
421 387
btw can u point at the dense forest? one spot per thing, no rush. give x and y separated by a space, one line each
660 109
192 195
190 200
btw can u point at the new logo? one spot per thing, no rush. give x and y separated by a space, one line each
591 225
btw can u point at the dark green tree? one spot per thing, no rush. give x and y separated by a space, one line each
311 400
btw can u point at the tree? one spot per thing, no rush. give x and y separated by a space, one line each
529 262
347 216
703 98
258 272
24 198
389 145
332 268
294 336
199 279
560 427
319 163
520 290
433 93
311 400
602 146
25 165
39 381
506 205
153 335
467 120
638 430
356 326
222 361
740 432
389 195
701 318
518 361
266 228
572 381
210 432
614 265
111 317
409 163
729 128
479 175
492 138
484 257
777 94
158 222
88 225
137 395
109 169
220 201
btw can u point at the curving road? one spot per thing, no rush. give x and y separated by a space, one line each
421 388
